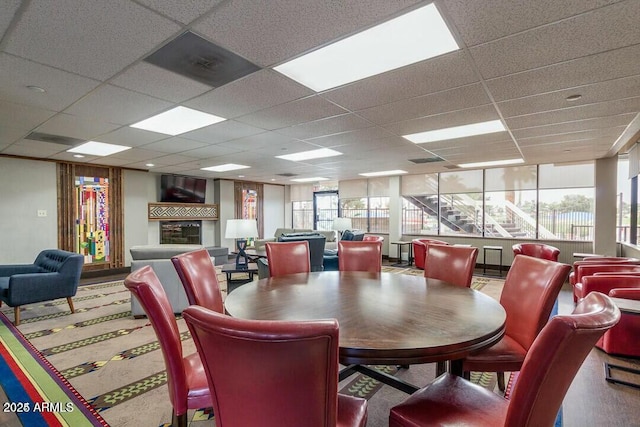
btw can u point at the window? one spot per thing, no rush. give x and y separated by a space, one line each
420 204
461 203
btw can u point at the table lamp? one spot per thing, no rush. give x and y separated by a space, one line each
241 229
341 224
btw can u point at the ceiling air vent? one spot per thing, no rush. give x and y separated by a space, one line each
426 160
196 58
55 139
287 174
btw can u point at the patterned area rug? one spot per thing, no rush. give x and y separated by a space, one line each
115 363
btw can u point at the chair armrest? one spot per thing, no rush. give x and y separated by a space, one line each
10 270
260 243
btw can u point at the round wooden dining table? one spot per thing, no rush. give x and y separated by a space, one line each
384 318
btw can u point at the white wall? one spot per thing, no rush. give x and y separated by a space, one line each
606 182
273 206
27 186
139 188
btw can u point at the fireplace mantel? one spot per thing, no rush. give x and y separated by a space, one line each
161 211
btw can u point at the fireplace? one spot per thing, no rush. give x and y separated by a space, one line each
181 232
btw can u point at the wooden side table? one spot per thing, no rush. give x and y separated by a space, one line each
409 254
491 248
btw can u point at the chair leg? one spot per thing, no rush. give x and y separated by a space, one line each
500 381
179 420
441 368
466 375
70 301
16 315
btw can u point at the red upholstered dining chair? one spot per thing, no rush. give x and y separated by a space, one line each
186 379
288 257
537 250
598 260
589 269
547 372
199 279
622 339
453 264
420 250
273 373
360 256
530 290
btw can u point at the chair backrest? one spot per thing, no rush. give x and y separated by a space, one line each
145 286
372 238
453 264
199 279
360 256
537 250
530 290
554 359
589 269
316 246
268 373
610 259
604 283
288 257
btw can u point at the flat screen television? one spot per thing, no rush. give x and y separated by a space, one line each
182 189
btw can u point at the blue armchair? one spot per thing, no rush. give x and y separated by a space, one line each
54 274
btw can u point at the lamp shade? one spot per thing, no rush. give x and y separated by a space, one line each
342 224
241 229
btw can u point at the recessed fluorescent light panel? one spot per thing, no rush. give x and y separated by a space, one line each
492 163
225 168
456 132
318 178
407 39
95 148
312 154
384 173
177 121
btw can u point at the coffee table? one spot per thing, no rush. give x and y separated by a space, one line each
385 318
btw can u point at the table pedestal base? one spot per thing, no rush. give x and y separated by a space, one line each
384 378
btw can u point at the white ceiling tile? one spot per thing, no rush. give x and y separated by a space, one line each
247 28
445 120
259 90
441 73
131 137
586 135
482 21
293 113
254 142
27 147
460 98
110 161
174 145
121 106
154 81
184 11
138 154
354 137
583 35
473 143
222 131
9 8
22 116
9 135
593 93
106 36
582 112
575 126
62 88
211 151
328 126
605 66
76 127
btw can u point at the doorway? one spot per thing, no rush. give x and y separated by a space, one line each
325 209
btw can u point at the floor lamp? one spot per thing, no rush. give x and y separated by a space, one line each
241 229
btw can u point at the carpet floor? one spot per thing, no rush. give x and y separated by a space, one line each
115 363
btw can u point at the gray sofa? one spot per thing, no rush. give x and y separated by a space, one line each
330 237
159 258
54 274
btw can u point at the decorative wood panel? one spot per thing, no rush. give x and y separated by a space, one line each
182 211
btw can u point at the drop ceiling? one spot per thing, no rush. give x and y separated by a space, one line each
518 62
